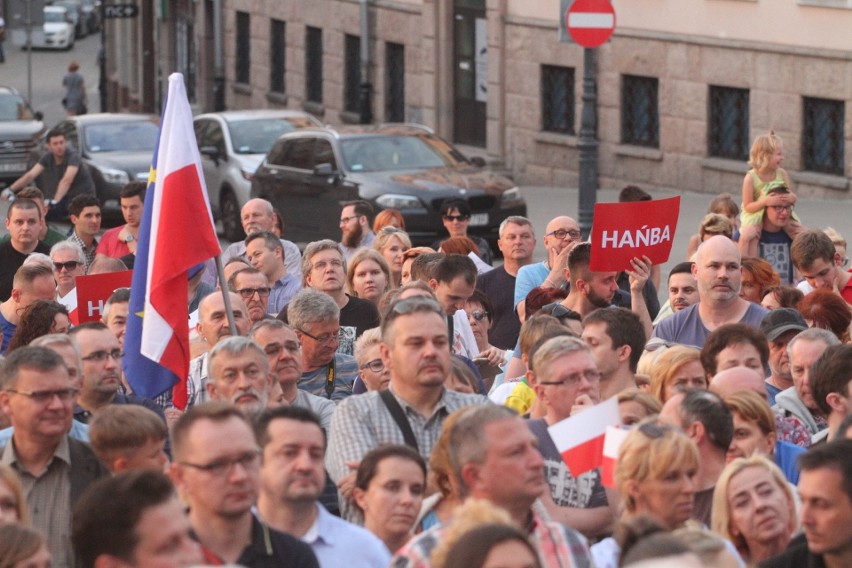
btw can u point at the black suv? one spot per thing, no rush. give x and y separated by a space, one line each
307 174
20 131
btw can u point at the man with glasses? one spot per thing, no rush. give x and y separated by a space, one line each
455 214
69 262
253 287
355 228
775 240
560 235
416 349
566 380
284 353
101 377
265 253
37 396
217 472
31 282
326 372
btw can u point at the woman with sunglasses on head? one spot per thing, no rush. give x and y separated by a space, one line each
655 475
456 216
392 243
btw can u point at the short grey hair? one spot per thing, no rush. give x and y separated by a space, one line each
61 339
314 248
234 346
515 220
814 334
557 347
39 259
467 442
69 246
29 357
362 344
311 306
267 323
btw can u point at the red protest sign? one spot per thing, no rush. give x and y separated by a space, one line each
622 231
93 292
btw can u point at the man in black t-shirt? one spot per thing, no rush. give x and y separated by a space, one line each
23 221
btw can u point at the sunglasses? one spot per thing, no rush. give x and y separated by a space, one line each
456 217
69 266
478 315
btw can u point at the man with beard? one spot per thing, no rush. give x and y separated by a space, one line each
239 374
101 378
253 287
683 291
718 272
355 223
284 353
257 215
292 477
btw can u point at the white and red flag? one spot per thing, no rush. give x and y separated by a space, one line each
580 438
615 436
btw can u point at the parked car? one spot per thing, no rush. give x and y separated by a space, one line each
58 29
117 148
307 174
75 13
21 129
91 16
232 144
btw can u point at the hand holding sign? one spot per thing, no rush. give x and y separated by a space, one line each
624 231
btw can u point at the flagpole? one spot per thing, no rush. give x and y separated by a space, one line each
220 268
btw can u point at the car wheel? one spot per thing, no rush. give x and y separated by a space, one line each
231 225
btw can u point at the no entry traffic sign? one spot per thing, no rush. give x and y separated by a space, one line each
590 22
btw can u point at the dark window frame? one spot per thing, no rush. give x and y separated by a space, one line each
351 73
313 65
558 102
394 82
640 111
242 61
823 135
728 122
277 56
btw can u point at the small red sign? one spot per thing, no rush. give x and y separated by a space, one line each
622 231
590 22
94 291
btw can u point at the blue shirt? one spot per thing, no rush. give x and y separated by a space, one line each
282 292
8 331
685 327
529 277
786 456
339 543
79 431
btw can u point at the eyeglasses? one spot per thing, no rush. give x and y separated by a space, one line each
572 380
562 233
224 466
327 338
247 293
69 266
45 396
344 220
458 218
781 208
478 315
321 265
99 356
375 365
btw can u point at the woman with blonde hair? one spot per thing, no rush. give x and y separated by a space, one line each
368 276
392 243
678 369
23 547
655 475
753 507
13 508
635 405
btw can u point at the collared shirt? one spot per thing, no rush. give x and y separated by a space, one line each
557 546
79 431
338 543
363 422
320 406
88 252
196 385
48 497
282 292
344 373
292 256
366 242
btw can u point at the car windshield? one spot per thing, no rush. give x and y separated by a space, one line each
14 107
256 135
72 9
398 152
54 16
137 136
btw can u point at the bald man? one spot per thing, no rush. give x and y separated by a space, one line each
718 272
738 379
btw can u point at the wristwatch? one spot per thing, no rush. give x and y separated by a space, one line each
128 238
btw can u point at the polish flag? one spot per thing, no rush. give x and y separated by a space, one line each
580 438
612 443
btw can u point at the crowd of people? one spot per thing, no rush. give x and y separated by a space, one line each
388 405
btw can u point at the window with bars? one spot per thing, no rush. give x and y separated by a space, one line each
640 118
727 123
351 73
313 64
394 82
243 60
822 135
277 56
557 99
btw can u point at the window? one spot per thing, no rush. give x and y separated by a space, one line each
313 65
277 56
394 82
324 154
822 136
352 73
727 129
298 153
557 99
243 61
640 120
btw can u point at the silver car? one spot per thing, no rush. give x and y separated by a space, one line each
232 145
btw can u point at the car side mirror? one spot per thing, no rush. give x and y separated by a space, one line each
323 170
478 161
211 152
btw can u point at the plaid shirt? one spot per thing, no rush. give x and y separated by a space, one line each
557 546
88 252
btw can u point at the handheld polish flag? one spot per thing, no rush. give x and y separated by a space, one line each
176 233
580 438
612 443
